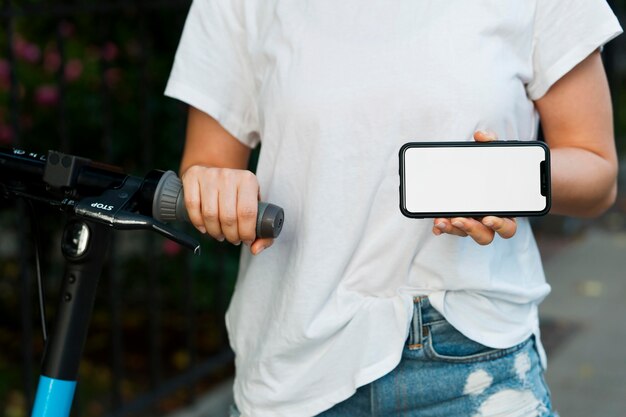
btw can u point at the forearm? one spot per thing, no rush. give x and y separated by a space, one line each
584 184
221 196
577 121
208 144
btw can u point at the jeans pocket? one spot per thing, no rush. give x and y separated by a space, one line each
445 343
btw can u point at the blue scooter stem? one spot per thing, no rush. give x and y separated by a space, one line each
54 397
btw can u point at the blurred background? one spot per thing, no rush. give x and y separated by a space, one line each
87 78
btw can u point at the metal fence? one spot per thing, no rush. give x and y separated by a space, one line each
154 342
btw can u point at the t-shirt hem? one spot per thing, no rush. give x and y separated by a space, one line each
232 123
437 301
503 342
567 63
338 395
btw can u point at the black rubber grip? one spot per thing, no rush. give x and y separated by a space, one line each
169 205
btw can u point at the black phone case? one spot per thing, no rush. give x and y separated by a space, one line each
545 179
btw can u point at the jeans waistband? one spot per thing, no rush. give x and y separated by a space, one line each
423 314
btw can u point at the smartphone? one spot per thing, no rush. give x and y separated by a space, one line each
474 179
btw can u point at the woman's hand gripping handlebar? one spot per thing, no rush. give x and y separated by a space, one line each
107 195
169 205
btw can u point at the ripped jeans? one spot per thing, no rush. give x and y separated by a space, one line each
444 374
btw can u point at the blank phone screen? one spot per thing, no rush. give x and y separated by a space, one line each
474 179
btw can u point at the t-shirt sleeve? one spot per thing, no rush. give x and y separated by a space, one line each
212 70
565 33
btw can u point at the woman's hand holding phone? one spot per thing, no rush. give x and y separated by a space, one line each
482 231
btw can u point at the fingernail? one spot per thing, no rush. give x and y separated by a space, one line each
458 223
202 229
488 223
488 133
248 243
441 226
261 250
220 238
237 243
436 231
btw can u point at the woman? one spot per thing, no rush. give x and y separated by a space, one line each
354 297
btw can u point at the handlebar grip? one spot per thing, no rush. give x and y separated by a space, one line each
169 205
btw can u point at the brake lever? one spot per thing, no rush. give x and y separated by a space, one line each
126 220
108 209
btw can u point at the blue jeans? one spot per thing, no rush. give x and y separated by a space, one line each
444 374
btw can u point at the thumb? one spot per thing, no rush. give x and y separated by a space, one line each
485 136
260 244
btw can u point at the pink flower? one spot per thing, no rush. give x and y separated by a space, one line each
109 51
5 74
6 135
73 69
47 95
5 70
31 53
26 51
51 61
171 248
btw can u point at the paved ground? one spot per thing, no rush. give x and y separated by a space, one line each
584 328
215 404
587 371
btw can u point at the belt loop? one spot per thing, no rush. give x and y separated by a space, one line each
419 333
415 340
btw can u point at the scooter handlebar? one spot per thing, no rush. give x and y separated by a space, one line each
159 195
169 205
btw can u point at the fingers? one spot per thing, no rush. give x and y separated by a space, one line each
485 136
227 203
443 225
247 207
260 244
191 186
503 226
483 232
238 204
224 204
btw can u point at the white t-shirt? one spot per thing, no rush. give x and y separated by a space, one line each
333 89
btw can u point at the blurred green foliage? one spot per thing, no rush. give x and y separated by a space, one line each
96 79
90 82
